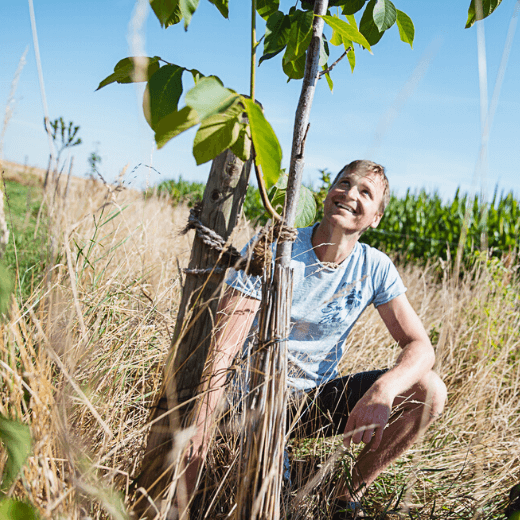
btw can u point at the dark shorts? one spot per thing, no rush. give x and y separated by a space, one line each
324 411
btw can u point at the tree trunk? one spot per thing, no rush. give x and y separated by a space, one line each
221 205
263 447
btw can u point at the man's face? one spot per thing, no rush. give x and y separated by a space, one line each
354 202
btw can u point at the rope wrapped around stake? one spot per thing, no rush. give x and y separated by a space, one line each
258 255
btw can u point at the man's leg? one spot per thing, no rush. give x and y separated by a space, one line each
414 412
325 413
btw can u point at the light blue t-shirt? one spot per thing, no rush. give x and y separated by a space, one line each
326 304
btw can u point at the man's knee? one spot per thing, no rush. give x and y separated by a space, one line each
427 396
432 392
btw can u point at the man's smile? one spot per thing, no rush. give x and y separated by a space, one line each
345 207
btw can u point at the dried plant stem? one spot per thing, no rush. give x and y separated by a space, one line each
263 441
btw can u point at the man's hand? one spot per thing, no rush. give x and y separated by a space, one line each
368 419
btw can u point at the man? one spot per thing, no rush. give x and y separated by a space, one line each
335 279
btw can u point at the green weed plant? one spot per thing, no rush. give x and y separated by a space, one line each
26 250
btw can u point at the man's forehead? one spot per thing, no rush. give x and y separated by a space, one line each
370 177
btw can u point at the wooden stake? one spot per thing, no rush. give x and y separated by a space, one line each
221 206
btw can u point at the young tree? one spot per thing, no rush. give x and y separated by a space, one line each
228 120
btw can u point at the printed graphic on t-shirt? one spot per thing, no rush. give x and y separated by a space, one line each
338 310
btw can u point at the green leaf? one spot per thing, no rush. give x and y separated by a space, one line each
488 6
367 27
188 7
351 57
216 134
16 438
305 209
324 52
6 287
209 97
330 83
11 509
168 12
222 6
267 148
406 28
174 124
336 38
265 8
346 31
162 93
294 69
124 71
242 146
351 20
196 74
300 34
353 6
384 14
276 35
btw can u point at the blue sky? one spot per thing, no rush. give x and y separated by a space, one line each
427 138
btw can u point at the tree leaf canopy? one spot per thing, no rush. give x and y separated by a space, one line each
276 35
168 12
306 207
265 8
488 6
222 6
124 71
209 97
174 124
300 35
406 28
367 26
216 134
347 31
267 148
353 6
188 7
384 14
162 93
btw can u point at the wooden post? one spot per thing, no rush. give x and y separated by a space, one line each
221 205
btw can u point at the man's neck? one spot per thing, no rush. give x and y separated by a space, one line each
332 245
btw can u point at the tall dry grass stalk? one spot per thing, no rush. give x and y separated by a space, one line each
81 359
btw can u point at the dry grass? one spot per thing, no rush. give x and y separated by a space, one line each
80 362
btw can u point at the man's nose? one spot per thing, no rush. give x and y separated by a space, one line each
352 192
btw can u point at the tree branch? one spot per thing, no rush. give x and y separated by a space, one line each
301 127
327 70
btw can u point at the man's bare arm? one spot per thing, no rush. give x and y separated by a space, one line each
234 319
414 362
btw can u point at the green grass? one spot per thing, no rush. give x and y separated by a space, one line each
26 251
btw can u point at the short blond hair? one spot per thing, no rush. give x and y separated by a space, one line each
364 167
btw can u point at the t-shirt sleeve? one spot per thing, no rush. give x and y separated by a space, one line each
387 281
248 284
245 283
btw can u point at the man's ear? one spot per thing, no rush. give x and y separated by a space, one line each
376 220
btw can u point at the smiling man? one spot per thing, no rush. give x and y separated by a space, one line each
335 278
